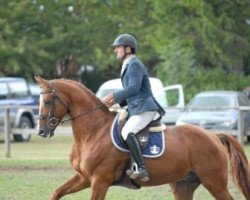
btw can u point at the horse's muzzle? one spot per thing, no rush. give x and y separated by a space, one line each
46 133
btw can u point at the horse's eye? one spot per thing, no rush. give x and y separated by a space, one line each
46 103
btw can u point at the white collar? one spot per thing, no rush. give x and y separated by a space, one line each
126 61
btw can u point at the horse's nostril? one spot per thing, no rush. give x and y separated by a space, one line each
41 133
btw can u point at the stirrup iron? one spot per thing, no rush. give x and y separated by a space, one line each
133 172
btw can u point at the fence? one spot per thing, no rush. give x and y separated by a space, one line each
8 130
62 130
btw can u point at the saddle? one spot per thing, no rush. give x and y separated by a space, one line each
143 135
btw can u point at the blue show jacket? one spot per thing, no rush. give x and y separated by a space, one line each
136 92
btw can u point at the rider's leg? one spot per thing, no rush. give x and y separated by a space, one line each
136 152
134 124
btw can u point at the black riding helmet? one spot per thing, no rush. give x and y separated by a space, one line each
125 40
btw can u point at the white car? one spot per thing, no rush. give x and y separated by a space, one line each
159 91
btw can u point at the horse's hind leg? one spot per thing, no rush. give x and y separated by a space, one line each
218 190
216 184
184 189
75 184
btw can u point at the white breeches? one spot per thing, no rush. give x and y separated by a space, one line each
137 122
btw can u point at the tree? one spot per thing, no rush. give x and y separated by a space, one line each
216 29
202 38
177 40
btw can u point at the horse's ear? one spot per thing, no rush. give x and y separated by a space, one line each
42 82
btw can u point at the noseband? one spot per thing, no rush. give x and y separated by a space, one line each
52 120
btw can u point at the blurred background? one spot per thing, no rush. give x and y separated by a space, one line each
204 45
197 45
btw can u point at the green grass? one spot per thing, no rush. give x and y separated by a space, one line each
36 168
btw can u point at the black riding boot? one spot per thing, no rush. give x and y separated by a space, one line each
136 152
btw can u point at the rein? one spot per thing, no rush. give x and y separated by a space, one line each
81 114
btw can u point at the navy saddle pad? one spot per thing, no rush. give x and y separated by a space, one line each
154 149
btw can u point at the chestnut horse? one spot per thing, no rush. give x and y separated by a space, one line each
192 156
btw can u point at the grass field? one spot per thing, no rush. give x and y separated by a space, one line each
36 168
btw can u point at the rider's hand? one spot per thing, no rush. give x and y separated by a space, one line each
109 100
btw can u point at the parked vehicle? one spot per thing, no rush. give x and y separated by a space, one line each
35 91
216 110
247 91
15 92
159 91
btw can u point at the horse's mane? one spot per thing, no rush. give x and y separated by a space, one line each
84 88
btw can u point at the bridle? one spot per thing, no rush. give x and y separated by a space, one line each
52 120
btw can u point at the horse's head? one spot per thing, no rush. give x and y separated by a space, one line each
52 108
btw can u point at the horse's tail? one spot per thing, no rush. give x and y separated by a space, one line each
239 164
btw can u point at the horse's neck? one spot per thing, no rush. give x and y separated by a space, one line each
89 117
93 126
80 99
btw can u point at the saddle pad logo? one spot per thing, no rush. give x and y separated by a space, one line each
154 149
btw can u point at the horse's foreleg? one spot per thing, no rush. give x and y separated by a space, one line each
75 184
99 189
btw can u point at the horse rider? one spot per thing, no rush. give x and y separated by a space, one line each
137 96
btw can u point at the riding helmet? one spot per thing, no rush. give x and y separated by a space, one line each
125 40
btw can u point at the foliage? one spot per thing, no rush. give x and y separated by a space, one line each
205 44
38 36
200 79
215 30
